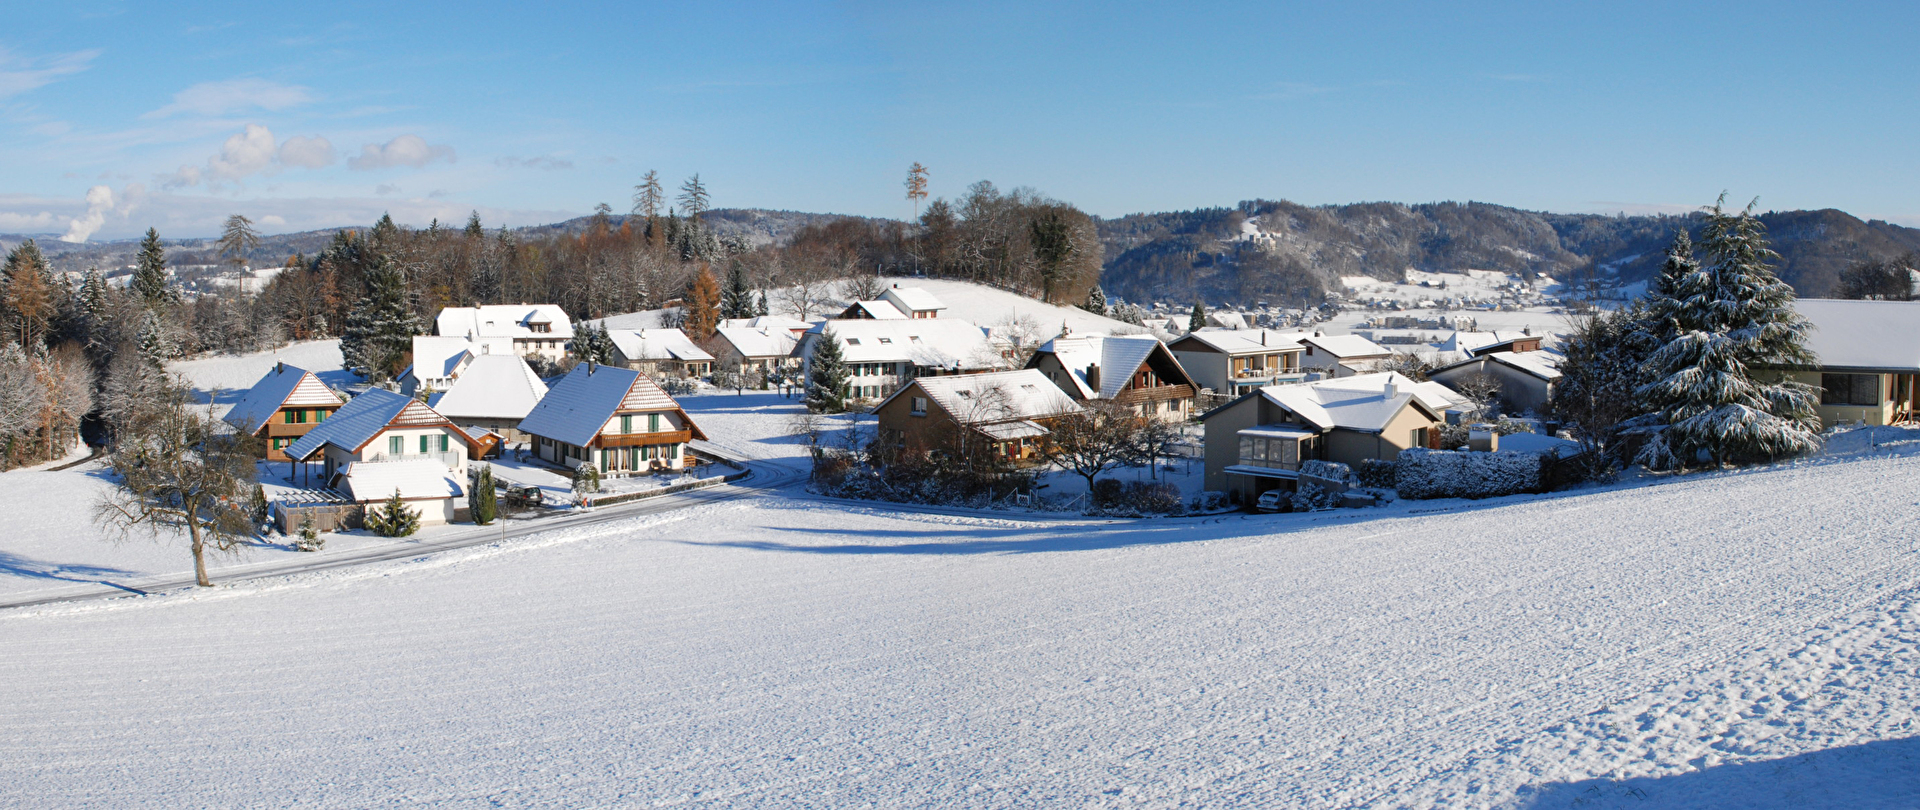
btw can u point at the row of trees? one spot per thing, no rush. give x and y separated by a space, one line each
1692 374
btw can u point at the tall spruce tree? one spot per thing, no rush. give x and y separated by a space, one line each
1731 318
1198 319
381 327
1096 301
591 342
736 301
150 276
827 378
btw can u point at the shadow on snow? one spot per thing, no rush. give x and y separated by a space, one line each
1885 773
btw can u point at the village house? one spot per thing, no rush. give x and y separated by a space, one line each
1006 413
1232 362
1257 442
438 360
613 417
1525 378
282 407
493 393
382 441
764 344
1341 355
1868 359
1133 370
897 303
660 352
536 330
881 356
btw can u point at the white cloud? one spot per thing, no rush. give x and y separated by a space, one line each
545 164
273 219
99 202
406 150
385 188
184 177
20 74
242 155
311 153
22 222
233 95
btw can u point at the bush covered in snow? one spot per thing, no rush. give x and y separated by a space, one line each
1311 497
1447 474
1375 473
1331 471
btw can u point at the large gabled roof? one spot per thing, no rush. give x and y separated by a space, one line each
361 419
1118 357
578 407
760 341
657 344
994 396
913 299
283 386
1863 336
943 343
504 320
1242 341
1359 403
1542 364
494 386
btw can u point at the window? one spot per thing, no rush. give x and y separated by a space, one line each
424 438
887 341
321 416
1850 389
914 338
443 442
296 417
853 341
1419 438
626 423
653 423
919 406
396 445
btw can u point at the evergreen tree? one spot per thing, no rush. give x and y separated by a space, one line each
1659 320
760 308
586 479
30 294
1731 318
1052 245
474 230
827 378
238 239
1198 319
1096 301
484 504
393 518
702 306
150 277
381 327
591 343
155 345
737 300
693 198
1595 393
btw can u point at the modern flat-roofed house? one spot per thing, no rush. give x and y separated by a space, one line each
1133 370
536 330
282 407
1526 378
765 343
660 352
613 417
1868 359
1234 361
494 393
1341 355
438 360
382 440
1008 413
1257 442
881 356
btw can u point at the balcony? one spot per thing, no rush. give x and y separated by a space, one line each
642 439
1158 393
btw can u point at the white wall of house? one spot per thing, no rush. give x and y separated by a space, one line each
455 456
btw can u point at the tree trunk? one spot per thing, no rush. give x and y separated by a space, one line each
199 553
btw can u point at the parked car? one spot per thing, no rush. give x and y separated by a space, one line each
1274 500
524 496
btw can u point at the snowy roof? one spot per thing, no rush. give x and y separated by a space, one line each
1227 320
995 396
657 344
1468 341
1354 403
494 386
767 322
1344 346
361 419
879 310
946 343
1863 335
1117 356
504 320
1542 364
1003 431
577 407
1437 397
284 385
441 356
372 481
1244 341
760 341
913 299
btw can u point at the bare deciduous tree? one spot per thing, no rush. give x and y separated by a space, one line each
183 469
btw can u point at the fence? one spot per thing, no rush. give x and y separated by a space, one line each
329 512
666 490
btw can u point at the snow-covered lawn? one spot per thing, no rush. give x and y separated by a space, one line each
232 374
1748 639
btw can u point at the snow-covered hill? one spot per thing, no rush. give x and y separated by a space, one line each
1749 639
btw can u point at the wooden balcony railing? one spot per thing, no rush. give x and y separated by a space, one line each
641 439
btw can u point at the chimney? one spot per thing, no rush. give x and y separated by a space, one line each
279 367
1392 388
1263 337
1093 377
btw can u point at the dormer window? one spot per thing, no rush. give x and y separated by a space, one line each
887 341
853 341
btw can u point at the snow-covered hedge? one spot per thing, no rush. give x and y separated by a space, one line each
1330 471
1424 473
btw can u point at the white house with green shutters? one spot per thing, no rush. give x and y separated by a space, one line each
381 441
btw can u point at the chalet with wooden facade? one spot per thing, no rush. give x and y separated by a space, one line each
1133 370
1232 362
382 441
1257 442
613 417
282 407
1006 413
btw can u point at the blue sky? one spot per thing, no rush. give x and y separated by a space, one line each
119 115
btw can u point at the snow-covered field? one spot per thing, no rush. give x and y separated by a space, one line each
1748 639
